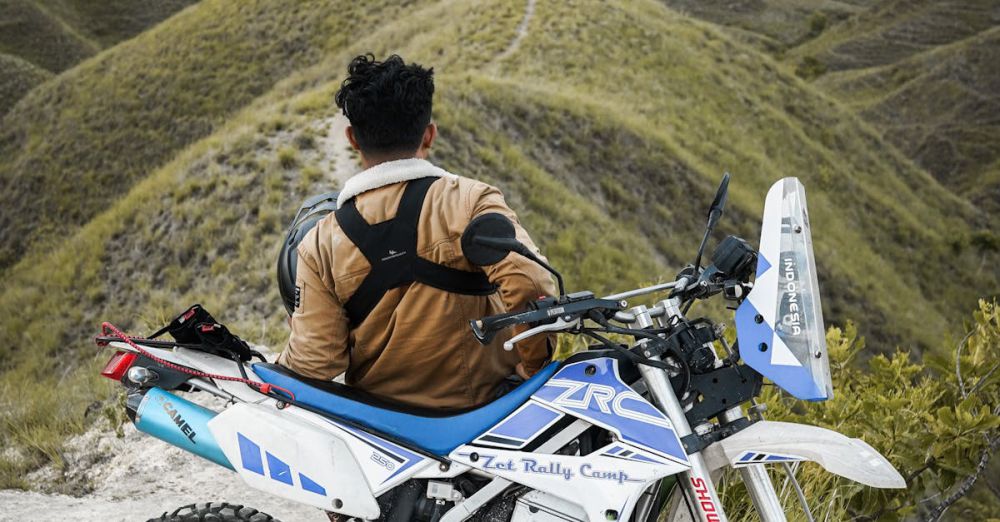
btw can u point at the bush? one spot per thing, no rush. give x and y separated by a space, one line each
934 422
817 23
288 158
810 68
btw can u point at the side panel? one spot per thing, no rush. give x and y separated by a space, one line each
291 458
594 391
604 486
385 464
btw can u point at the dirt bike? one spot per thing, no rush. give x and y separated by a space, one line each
645 420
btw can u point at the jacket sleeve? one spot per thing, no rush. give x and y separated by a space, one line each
317 347
520 280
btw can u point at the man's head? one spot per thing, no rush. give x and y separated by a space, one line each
389 106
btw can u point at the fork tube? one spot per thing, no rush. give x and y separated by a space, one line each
697 482
758 482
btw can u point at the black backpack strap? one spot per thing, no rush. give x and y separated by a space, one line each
391 249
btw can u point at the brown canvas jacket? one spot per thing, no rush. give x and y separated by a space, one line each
416 345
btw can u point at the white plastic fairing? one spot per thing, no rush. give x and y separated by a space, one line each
780 324
605 480
291 458
850 458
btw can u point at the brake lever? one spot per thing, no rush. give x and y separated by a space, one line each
556 326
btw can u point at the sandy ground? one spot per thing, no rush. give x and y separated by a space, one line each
136 477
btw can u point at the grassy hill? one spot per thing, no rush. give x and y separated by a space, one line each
192 145
924 73
940 108
57 34
28 30
98 128
16 78
54 35
774 25
921 72
894 30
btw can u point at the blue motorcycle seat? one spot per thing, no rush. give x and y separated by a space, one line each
429 431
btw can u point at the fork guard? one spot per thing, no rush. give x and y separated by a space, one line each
850 458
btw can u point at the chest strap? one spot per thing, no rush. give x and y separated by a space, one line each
391 249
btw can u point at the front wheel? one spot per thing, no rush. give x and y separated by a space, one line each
214 512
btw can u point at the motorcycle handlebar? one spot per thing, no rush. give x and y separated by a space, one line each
545 311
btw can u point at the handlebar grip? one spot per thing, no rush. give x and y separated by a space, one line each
485 329
484 337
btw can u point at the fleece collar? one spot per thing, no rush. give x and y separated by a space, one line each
389 173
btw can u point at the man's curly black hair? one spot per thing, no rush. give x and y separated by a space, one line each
388 103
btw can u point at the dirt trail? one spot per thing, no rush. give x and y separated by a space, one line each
519 34
342 162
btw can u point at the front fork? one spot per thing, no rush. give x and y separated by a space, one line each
698 488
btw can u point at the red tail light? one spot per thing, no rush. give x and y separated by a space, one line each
119 363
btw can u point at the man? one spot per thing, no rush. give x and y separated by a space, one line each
383 290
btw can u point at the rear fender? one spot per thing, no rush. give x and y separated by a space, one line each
769 442
205 363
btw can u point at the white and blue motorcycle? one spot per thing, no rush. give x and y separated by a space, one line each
616 432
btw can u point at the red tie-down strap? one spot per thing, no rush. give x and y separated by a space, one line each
263 387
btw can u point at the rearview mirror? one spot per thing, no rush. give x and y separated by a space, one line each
488 239
719 203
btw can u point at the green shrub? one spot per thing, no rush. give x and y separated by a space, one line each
817 24
810 68
932 421
288 158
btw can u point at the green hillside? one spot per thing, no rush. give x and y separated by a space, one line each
57 34
922 72
940 108
894 30
54 35
16 78
98 128
181 154
108 22
925 75
28 30
772 24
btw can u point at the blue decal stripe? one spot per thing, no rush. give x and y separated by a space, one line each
309 484
643 458
796 380
526 422
408 458
278 469
762 265
747 457
250 455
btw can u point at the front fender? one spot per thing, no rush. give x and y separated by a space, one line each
770 442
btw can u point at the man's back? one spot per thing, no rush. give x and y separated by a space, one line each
415 344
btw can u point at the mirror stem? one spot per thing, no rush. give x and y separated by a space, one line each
513 245
531 255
